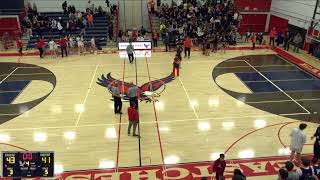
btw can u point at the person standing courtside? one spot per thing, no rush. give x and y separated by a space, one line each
133 117
132 93
63 45
218 166
130 51
298 138
187 46
116 98
273 35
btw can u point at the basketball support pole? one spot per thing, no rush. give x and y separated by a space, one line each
139 136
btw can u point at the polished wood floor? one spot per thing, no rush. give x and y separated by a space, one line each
195 120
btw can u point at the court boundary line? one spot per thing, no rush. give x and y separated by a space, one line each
277 87
229 67
8 75
283 80
307 99
87 95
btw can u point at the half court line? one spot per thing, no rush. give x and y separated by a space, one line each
88 91
277 87
188 97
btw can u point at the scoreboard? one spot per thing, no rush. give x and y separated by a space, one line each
27 164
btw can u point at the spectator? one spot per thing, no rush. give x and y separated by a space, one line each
219 166
237 175
316 168
80 44
316 145
306 171
155 37
297 40
291 174
64 6
90 19
273 34
151 6
93 44
279 38
287 40
253 40
283 174
187 46
140 38
298 138
166 41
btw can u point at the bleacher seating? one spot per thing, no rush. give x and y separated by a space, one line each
99 31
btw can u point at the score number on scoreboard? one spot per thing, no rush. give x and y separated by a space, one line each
28 164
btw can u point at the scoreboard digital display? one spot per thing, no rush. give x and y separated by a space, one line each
27 164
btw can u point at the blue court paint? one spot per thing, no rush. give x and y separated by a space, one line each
13 85
250 76
6 96
261 86
299 85
287 75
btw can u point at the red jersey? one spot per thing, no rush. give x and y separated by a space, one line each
188 42
219 166
40 43
19 43
133 114
155 36
273 33
63 42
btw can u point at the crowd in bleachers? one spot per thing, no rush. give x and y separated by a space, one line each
210 24
34 21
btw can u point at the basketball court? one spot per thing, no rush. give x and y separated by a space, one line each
242 103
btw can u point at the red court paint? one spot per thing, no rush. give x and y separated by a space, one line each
188 171
18 147
120 119
156 117
309 68
247 134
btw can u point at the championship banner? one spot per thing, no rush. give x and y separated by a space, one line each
255 167
140 45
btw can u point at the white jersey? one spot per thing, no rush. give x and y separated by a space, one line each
52 45
71 42
80 42
298 138
93 42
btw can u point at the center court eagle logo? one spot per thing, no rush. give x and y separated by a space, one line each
146 92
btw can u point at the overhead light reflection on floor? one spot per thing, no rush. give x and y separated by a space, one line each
4 137
248 153
58 168
39 137
111 133
204 126
172 159
69 135
227 125
260 123
103 164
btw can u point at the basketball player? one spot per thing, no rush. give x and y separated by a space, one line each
52 48
130 51
80 44
298 138
176 65
93 44
19 46
187 46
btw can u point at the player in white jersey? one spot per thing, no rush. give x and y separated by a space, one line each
53 48
80 44
93 45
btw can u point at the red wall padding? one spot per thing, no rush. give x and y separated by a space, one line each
254 22
9 25
279 23
260 5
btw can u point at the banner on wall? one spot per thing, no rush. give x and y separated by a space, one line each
137 54
139 45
